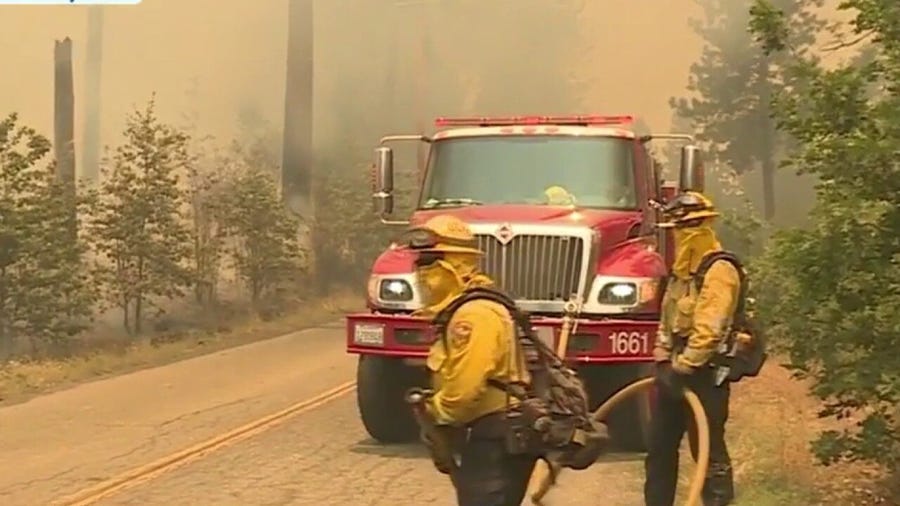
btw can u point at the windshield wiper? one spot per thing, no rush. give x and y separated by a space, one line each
448 202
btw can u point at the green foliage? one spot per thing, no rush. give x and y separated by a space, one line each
832 291
170 213
206 193
260 141
45 291
740 228
138 226
262 233
348 235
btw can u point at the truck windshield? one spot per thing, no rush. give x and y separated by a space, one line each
539 169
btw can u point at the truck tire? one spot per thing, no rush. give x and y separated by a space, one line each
629 422
380 385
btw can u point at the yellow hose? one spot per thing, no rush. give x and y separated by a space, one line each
545 477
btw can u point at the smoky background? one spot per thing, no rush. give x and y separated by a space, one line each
380 66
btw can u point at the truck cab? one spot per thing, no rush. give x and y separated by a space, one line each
564 210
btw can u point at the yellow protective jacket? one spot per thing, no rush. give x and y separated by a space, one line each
481 345
702 316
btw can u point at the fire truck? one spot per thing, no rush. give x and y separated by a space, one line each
563 208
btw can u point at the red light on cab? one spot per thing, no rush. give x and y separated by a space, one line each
579 120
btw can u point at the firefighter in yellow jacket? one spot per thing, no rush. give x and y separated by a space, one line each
693 325
479 345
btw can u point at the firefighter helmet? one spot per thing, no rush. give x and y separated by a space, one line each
441 234
687 209
558 196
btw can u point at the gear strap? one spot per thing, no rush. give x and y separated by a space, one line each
521 319
707 262
745 363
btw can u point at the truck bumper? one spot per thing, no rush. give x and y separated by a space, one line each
591 341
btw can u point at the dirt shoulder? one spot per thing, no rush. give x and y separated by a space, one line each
773 420
21 381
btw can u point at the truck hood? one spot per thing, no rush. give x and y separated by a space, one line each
551 215
611 224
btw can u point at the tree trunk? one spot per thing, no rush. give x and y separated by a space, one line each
138 308
768 187
767 131
126 316
5 335
139 298
297 156
64 122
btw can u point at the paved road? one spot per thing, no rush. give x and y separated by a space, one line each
61 443
324 458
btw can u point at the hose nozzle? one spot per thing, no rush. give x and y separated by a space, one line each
417 395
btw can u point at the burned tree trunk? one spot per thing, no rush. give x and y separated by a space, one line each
64 121
297 156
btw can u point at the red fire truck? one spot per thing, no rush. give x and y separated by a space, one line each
564 210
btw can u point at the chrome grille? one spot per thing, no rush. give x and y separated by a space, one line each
534 267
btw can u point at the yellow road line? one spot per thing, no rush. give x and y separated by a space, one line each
149 471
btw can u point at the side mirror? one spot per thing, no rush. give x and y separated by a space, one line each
691 175
384 204
382 197
384 169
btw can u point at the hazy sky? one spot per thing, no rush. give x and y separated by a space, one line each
485 57
236 50
235 53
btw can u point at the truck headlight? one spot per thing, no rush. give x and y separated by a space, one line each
617 294
395 290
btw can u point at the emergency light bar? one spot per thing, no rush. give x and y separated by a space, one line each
580 120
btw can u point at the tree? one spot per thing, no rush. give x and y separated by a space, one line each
138 225
260 142
832 291
732 83
205 190
263 233
45 289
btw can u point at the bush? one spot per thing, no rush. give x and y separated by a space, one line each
168 215
832 291
46 293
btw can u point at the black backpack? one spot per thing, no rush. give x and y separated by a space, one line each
553 416
746 345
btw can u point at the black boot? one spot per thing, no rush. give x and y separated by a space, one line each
719 487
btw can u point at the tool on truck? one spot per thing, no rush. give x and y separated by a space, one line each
564 211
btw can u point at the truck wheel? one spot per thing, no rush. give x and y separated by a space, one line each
380 385
629 422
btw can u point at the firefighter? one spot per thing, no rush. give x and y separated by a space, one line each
479 344
693 325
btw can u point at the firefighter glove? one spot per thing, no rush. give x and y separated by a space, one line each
669 381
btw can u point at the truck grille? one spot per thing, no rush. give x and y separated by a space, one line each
534 267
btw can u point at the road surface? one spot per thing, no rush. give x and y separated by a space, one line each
58 445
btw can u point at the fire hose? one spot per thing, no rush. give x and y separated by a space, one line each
545 474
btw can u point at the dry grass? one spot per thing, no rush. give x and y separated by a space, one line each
773 420
20 381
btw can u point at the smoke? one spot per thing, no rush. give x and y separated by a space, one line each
381 66
229 55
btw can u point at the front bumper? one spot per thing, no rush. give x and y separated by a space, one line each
591 341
